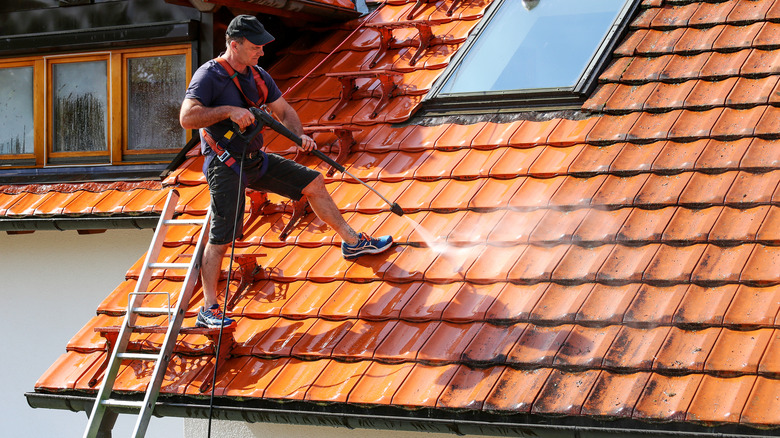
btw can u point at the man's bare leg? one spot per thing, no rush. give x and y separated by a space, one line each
211 265
325 209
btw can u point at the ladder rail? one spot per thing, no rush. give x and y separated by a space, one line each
191 278
103 400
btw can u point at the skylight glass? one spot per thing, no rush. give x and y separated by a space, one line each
534 44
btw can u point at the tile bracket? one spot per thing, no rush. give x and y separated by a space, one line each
387 86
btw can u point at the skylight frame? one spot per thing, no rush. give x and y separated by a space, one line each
535 99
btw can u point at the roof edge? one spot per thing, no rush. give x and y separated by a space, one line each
394 418
79 223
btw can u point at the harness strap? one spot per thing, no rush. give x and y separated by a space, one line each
220 149
262 89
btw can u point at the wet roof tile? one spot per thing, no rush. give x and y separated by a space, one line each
447 343
388 300
586 346
557 225
580 264
294 378
362 339
600 225
538 345
535 193
606 304
336 381
379 382
515 303
492 343
644 225
423 386
469 388
404 341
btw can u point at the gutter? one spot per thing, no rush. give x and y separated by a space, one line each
419 420
298 9
79 223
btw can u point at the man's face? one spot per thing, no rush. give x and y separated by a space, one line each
247 52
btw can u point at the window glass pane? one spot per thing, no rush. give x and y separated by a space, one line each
16 111
156 89
534 44
80 107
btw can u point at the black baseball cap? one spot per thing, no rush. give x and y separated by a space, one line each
250 28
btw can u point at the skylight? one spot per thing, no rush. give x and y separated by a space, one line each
534 51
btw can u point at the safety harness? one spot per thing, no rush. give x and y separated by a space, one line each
220 147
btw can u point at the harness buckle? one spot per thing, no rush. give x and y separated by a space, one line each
224 156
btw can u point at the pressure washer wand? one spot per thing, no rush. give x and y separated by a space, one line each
263 118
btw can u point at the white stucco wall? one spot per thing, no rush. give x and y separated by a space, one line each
52 282
236 429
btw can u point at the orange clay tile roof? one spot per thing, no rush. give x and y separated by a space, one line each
620 265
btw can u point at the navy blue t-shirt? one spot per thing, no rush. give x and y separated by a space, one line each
211 85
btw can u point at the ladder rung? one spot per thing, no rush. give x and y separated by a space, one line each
184 222
154 310
169 265
122 403
138 356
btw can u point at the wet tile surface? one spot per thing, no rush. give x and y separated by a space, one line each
620 261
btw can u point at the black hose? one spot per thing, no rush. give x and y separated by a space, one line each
239 194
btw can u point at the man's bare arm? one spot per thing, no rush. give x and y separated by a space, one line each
195 115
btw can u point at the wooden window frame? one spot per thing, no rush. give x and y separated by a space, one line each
38 114
50 154
125 56
117 152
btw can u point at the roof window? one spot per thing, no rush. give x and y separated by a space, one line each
533 52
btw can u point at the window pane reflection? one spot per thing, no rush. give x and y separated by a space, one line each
156 89
534 44
80 111
16 111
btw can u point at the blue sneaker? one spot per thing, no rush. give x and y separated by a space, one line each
212 318
366 245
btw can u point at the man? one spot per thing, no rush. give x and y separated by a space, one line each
219 95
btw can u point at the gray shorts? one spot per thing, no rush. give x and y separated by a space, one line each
284 177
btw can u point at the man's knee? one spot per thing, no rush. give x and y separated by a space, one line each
315 188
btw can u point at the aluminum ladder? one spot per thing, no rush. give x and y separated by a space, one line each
105 407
